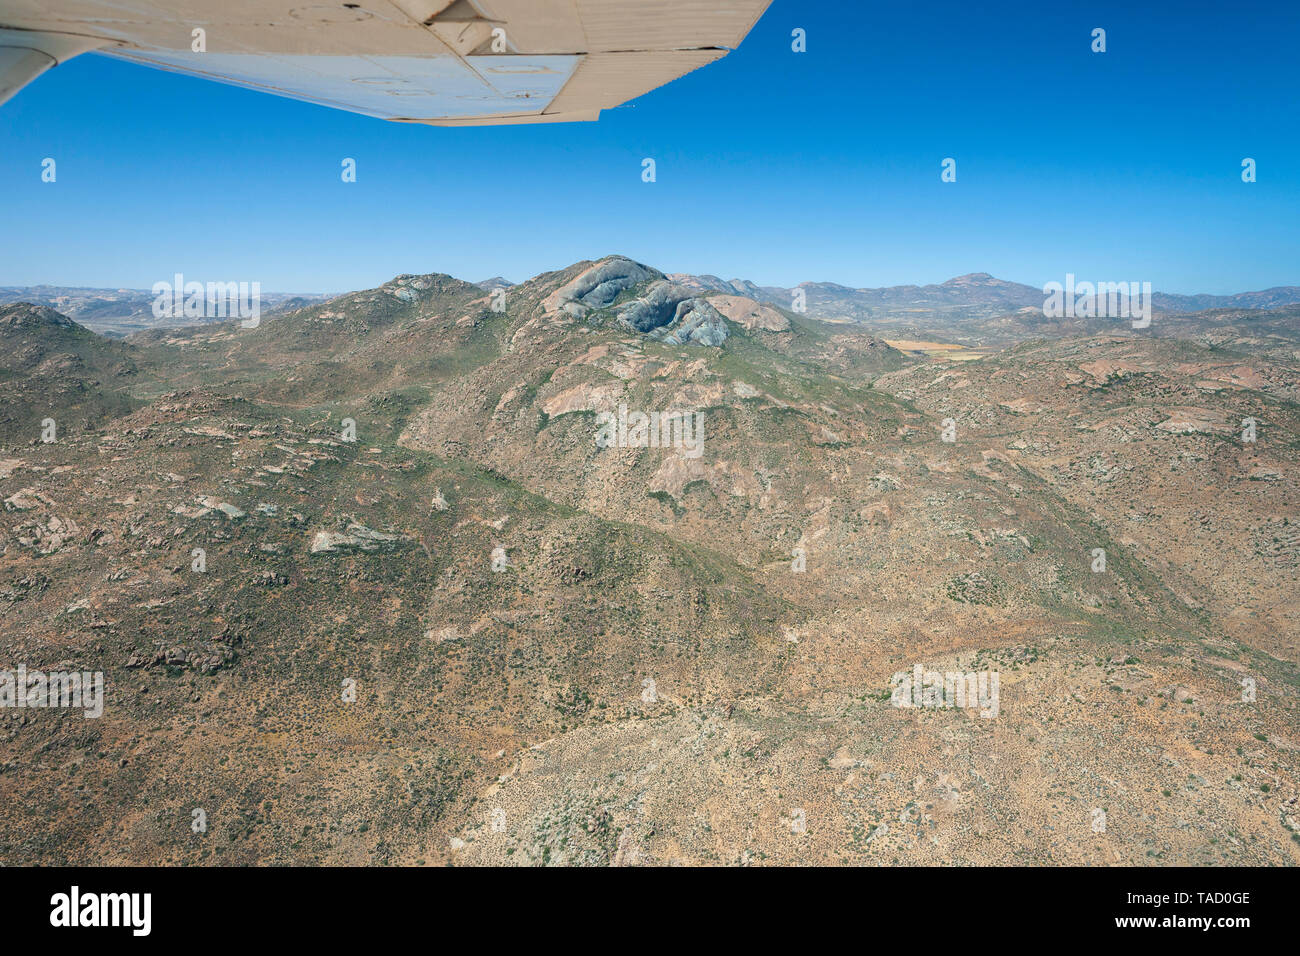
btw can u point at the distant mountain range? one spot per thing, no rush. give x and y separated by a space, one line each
963 306
977 290
120 312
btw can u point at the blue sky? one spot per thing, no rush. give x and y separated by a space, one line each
774 166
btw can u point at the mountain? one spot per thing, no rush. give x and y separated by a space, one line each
1273 298
975 309
456 607
52 367
974 290
120 312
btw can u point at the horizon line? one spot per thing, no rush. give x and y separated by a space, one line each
733 280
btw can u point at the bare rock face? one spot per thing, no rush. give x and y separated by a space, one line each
357 538
1103 371
724 477
674 314
670 312
656 308
698 322
583 398
749 314
598 286
1189 419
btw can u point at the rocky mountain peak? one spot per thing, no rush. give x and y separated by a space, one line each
27 317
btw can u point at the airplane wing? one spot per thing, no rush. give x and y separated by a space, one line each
444 62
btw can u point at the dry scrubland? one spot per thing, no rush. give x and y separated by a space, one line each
648 681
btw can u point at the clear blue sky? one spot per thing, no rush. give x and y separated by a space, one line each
774 166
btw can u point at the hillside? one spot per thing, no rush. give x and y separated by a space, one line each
51 367
567 650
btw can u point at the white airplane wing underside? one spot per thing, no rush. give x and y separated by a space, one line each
446 62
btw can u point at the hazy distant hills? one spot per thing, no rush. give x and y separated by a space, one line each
979 290
119 312
976 290
977 308
1273 298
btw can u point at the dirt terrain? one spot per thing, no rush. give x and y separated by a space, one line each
438 622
